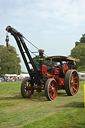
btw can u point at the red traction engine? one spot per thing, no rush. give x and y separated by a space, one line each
61 74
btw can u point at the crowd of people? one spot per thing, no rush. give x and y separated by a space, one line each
13 77
7 79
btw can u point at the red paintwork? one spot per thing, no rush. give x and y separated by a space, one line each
57 71
65 68
61 81
43 69
49 75
55 74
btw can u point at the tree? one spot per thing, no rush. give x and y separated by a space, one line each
36 61
79 52
82 40
9 60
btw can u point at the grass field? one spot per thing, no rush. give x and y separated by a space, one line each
63 112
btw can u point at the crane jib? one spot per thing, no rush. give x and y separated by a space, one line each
25 52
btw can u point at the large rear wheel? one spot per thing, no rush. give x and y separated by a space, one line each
51 89
71 82
27 88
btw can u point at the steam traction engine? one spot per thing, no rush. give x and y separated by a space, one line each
61 74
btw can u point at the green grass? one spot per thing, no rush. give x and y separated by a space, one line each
63 112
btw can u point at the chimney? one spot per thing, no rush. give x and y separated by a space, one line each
41 57
7 40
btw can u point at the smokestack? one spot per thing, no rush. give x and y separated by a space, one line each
7 40
41 57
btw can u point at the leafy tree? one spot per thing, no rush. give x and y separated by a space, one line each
9 60
76 43
79 52
36 61
82 40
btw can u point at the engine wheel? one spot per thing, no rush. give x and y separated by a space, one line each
51 89
71 82
27 88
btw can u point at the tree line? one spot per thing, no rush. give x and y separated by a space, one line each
10 61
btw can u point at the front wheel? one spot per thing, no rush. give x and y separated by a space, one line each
51 89
27 88
71 82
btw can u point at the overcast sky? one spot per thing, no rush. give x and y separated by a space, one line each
52 25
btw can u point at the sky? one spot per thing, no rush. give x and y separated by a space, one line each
52 25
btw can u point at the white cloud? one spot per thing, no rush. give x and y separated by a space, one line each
59 10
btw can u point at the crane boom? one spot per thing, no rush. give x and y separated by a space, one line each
25 52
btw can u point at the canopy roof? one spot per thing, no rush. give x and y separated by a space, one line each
62 58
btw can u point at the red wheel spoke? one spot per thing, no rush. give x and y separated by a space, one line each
75 77
76 83
71 82
75 89
51 94
50 88
53 85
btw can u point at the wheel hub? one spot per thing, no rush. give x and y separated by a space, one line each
73 82
53 88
